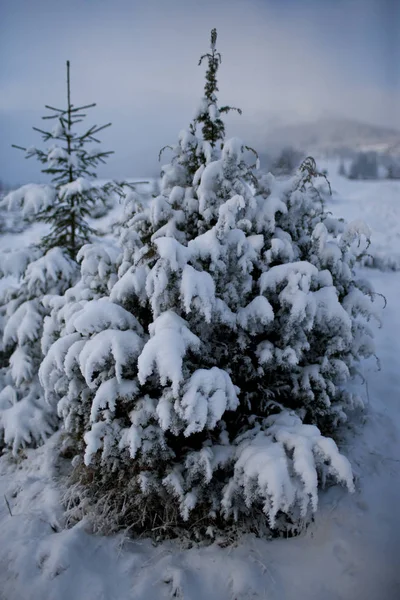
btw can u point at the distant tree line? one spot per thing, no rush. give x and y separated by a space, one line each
371 165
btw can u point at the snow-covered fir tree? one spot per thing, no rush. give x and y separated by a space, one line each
32 276
25 417
70 159
200 390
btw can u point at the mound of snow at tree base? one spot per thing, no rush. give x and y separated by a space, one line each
350 552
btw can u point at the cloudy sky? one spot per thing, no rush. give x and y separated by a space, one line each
282 60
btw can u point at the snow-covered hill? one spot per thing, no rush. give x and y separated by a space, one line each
351 550
332 135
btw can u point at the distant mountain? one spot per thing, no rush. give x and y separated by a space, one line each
335 136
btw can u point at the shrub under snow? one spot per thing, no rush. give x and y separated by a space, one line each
25 417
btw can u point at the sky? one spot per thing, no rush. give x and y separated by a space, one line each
283 61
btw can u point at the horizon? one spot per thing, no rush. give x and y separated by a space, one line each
306 59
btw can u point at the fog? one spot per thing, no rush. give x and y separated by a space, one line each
283 61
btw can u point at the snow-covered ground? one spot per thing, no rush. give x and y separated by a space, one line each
350 552
377 203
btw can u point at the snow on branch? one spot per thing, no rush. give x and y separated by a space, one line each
169 342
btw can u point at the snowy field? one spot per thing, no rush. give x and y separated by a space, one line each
350 552
377 203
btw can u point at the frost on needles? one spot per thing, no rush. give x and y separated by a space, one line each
203 389
44 271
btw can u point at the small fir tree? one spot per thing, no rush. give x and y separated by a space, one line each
71 163
45 271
